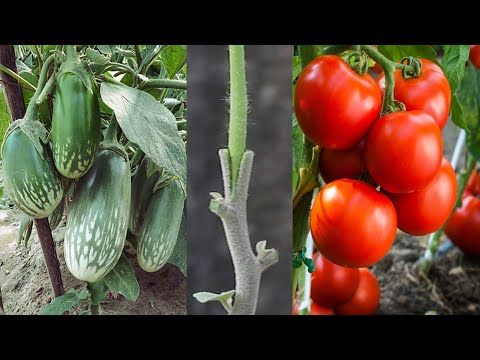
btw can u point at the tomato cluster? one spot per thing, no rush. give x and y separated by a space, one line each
353 224
463 228
344 291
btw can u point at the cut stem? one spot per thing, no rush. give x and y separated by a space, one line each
238 111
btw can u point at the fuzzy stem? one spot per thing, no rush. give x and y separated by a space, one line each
238 111
165 84
71 52
232 210
32 109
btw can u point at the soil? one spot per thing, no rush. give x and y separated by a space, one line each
25 285
452 287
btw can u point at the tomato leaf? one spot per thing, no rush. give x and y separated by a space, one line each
397 52
457 114
468 94
61 304
150 125
453 63
297 67
297 143
122 280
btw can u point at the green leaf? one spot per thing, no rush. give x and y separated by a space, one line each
122 280
457 114
174 58
397 52
297 67
32 79
96 57
83 294
25 229
179 254
4 115
468 94
106 49
453 63
97 291
309 52
225 298
150 125
61 304
297 143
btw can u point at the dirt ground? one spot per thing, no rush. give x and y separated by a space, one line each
25 285
452 288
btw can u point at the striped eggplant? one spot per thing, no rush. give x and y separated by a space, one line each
142 192
161 227
30 177
98 217
76 126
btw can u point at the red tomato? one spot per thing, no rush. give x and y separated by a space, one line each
340 164
424 211
429 92
315 309
335 106
463 228
403 151
475 55
473 185
332 284
352 224
366 299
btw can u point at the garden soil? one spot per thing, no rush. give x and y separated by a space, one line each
25 285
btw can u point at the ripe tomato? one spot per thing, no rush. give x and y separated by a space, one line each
315 309
424 211
463 228
332 284
352 224
429 92
340 164
475 55
366 299
403 151
335 106
473 185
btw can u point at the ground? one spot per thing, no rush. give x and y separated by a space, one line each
453 285
25 285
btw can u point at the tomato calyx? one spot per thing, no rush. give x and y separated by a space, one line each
360 62
308 177
407 72
299 258
394 106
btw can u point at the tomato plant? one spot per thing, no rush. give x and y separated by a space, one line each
365 300
473 185
340 164
332 284
403 151
352 224
335 106
429 92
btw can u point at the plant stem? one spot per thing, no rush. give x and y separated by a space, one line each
47 90
2 310
71 52
427 260
232 210
95 309
21 80
39 56
165 84
32 109
138 54
238 111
